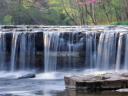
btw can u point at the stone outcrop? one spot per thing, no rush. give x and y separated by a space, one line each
107 81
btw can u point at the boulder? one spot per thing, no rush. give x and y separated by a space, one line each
106 81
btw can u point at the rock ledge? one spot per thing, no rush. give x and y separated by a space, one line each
107 81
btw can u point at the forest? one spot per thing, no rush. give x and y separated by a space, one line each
63 12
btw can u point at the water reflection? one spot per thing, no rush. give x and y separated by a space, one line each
104 93
34 87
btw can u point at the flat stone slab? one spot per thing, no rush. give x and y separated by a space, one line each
106 81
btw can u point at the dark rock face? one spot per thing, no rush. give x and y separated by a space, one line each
39 42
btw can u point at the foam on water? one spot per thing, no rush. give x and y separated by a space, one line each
60 75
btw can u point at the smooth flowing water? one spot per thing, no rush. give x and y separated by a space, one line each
51 40
2 51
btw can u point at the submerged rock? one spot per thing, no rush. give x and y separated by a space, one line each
30 75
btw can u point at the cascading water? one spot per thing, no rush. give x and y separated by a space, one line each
90 51
27 51
106 51
126 53
71 49
14 50
22 51
118 59
91 48
2 51
51 40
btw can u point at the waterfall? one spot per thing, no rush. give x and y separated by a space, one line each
2 51
22 51
126 53
52 50
30 51
118 59
106 51
51 40
14 50
71 49
90 53
100 51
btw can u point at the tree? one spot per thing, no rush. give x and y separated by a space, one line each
97 11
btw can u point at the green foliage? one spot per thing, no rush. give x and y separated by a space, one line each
62 12
56 14
27 4
120 23
7 20
31 12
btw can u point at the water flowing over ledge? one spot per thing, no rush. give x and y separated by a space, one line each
55 48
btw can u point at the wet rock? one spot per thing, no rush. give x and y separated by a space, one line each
124 74
39 92
125 90
10 26
30 75
106 81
